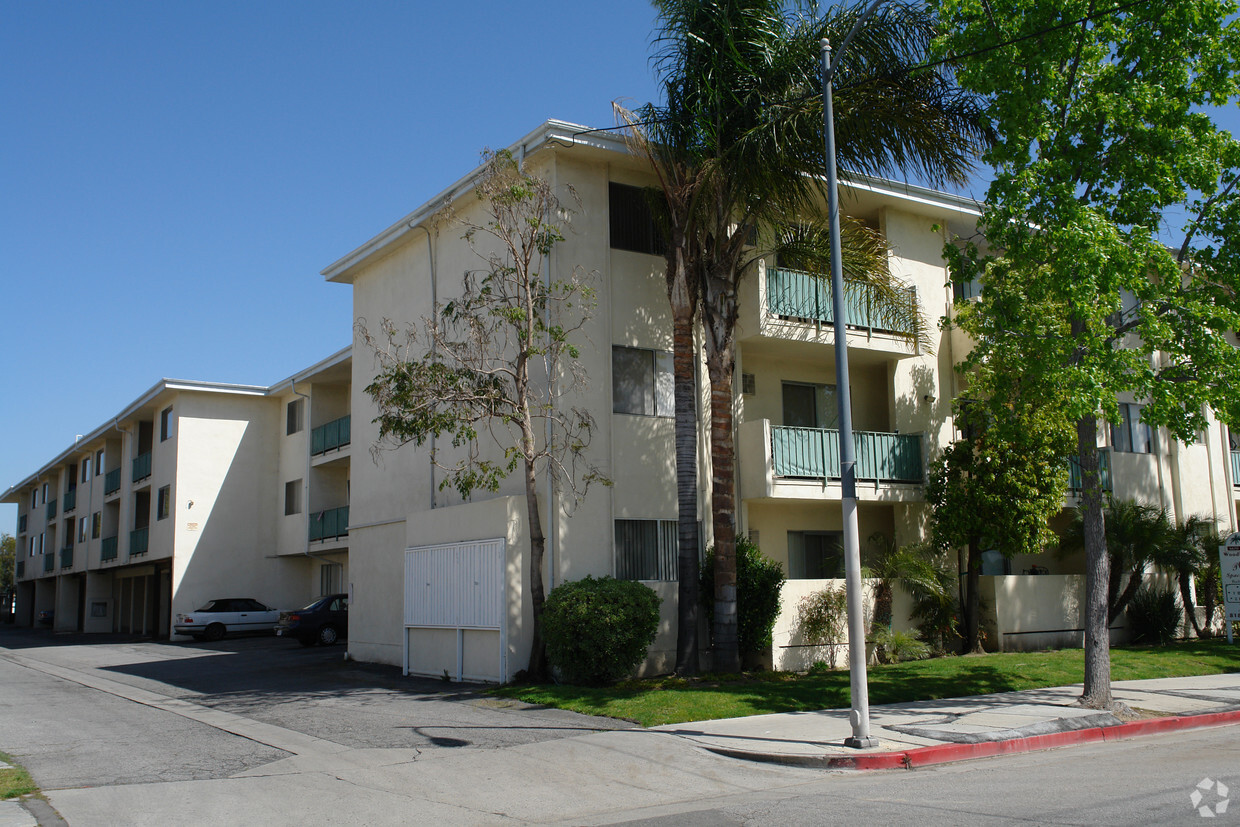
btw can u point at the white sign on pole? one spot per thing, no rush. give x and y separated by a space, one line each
1229 564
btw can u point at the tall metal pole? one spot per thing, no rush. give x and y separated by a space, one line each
859 717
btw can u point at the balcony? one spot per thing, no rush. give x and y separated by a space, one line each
66 558
70 500
330 524
332 436
804 463
21 522
139 540
49 563
801 296
109 548
51 509
1235 468
112 482
142 466
21 569
1076 484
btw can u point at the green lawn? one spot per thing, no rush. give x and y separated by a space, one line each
675 700
15 781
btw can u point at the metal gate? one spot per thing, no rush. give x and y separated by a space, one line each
457 586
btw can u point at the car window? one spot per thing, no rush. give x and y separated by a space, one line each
250 606
340 604
214 606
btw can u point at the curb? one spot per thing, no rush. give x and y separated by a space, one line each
948 753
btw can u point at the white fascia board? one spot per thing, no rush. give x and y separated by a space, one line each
561 133
339 357
937 201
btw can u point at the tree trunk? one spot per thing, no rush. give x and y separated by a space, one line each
538 543
683 354
1097 691
723 507
1135 578
1186 600
973 602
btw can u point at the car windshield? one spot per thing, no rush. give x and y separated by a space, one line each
312 606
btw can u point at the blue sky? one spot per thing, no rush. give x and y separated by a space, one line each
173 176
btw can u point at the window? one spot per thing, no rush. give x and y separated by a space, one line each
966 290
646 550
331 577
294 419
96 525
163 505
34 498
749 384
81 529
40 544
99 462
44 492
1130 434
86 470
641 382
815 555
810 406
631 222
292 497
165 424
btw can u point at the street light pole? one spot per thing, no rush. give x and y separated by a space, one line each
859 717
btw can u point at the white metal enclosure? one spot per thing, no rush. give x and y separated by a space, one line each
460 588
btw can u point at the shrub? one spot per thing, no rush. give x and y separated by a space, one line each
823 616
597 631
759 580
1154 615
895 647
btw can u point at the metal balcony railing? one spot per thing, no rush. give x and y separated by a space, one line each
139 539
815 453
334 434
66 558
329 524
70 500
1235 468
21 569
1075 482
110 545
795 294
51 509
142 466
112 481
21 524
49 562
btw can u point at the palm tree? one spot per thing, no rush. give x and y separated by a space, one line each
1136 536
1185 553
741 131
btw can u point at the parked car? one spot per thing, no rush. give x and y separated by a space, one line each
45 617
324 621
226 616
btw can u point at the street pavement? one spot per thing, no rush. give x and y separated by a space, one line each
358 745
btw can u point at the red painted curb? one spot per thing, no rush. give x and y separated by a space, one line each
946 753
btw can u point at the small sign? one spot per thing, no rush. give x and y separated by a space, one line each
191 526
1229 564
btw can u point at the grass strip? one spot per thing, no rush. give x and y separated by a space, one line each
671 700
15 781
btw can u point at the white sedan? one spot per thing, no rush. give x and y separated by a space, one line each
227 616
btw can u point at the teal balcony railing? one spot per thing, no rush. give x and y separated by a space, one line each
21 524
815 453
66 558
110 545
1235 468
329 524
139 539
51 509
334 434
112 481
70 500
795 294
49 562
21 569
142 466
1075 483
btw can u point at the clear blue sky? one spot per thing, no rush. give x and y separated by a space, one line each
173 176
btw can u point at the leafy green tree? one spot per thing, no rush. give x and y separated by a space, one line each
738 146
8 560
473 370
995 488
1111 222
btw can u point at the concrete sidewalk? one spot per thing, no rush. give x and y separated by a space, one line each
930 732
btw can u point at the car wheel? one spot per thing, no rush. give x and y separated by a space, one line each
214 632
307 641
328 635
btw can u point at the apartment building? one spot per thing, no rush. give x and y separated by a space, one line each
195 491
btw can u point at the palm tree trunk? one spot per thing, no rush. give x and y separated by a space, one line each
1135 578
1097 691
1186 600
683 353
723 506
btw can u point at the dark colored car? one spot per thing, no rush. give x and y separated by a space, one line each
324 621
45 617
